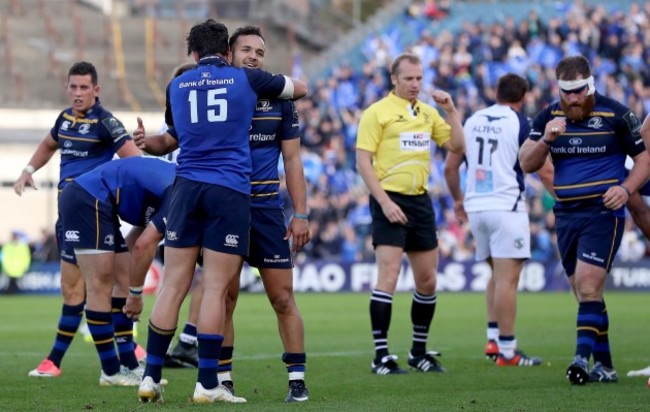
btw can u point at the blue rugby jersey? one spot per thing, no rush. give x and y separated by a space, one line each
589 157
135 185
211 110
86 141
273 121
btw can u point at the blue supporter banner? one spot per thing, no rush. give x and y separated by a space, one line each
334 276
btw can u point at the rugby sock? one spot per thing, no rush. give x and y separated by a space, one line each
507 346
123 334
602 352
422 311
492 331
189 334
295 365
68 324
225 363
588 324
209 348
101 328
157 344
381 305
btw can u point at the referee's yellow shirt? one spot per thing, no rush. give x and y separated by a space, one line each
399 136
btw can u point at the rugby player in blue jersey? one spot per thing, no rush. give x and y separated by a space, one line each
210 110
588 137
87 136
135 190
274 132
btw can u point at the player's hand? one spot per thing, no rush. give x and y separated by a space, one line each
298 232
554 128
133 307
24 180
615 197
444 100
459 210
394 213
139 136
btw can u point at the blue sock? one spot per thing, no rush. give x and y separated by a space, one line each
209 348
157 345
68 324
123 334
100 325
587 327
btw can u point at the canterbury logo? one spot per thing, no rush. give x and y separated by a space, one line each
232 240
72 235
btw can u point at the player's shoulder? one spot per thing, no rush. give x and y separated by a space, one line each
605 103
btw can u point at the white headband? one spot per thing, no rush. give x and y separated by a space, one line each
576 84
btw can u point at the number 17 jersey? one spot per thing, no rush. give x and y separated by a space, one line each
495 180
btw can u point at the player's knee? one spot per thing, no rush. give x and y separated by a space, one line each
283 302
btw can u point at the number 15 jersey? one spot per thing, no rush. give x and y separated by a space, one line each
211 110
495 180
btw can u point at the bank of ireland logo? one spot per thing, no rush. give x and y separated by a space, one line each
595 123
67 144
575 141
232 240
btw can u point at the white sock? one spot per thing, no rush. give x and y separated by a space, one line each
507 347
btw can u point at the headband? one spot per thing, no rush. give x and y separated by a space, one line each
576 84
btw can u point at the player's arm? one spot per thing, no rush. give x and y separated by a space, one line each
41 156
546 173
129 149
156 145
457 142
143 251
293 88
645 132
299 226
452 177
537 147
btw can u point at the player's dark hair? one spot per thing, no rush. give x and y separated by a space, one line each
410 57
83 69
208 39
511 88
569 68
245 31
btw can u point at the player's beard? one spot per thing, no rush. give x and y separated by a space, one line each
578 112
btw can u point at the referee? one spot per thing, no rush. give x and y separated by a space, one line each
393 158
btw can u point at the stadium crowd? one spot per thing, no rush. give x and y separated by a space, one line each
466 63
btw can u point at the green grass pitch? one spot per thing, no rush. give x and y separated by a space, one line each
339 351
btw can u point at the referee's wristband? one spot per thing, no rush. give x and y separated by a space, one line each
135 292
29 169
301 216
626 191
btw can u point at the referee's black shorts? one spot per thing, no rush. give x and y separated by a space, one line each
419 234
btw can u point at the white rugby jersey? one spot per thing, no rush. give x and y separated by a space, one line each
495 180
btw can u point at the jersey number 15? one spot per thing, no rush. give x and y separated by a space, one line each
220 111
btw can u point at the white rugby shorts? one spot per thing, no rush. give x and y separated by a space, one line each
500 234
